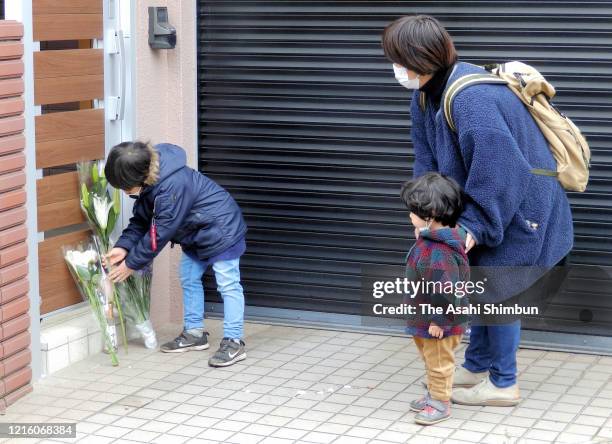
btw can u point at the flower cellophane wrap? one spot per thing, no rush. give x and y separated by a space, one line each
96 288
101 205
135 294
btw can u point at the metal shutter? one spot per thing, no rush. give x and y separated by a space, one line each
300 117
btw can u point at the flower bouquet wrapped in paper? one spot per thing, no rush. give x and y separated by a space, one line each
95 287
135 294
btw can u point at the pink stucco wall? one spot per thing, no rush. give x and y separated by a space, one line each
165 111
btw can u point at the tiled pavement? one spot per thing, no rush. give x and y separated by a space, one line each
311 386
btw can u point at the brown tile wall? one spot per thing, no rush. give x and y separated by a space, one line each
15 356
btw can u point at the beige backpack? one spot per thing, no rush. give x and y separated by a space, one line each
568 145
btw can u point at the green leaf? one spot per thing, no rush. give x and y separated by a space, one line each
85 196
94 172
112 219
116 201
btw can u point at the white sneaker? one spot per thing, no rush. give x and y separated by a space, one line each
465 378
486 393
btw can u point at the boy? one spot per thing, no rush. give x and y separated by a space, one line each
438 258
177 204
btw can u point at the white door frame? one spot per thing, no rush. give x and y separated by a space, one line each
119 73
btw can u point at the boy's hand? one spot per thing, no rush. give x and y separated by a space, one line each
120 273
115 256
436 331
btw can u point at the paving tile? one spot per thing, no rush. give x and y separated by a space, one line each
579 429
518 421
141 436
553 426
335 429
157 426
303 424
272 440
169 439
350 440
319 438
467 435
132 423
596 421
103 418
244 438
216 435
289 433
112 431
541 435
435 432
146 413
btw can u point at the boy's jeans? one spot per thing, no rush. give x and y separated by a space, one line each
493 348
227 275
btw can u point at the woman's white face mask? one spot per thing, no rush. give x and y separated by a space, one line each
401 75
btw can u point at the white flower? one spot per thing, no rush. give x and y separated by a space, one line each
81 258
101 208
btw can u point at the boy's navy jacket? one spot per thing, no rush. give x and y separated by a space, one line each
189 209
516 217
438 256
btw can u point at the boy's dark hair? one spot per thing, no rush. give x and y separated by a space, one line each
434 196
132 164
419 43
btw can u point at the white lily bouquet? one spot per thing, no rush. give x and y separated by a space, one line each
95 287
102 212
135 294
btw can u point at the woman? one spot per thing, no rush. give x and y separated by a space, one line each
514 218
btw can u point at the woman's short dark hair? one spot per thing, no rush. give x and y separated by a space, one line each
419 43
132 164
434 196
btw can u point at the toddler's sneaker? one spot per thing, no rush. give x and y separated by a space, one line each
434 412
230 351
419 404
186 342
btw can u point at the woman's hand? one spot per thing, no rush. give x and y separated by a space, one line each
436 331
115 256
469 242
120 273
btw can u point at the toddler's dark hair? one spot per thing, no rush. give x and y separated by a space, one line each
132 164
434 196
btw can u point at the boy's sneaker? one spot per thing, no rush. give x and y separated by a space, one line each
230 351
186 342
434 412
419 404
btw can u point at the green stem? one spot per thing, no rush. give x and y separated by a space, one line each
93 300
121 319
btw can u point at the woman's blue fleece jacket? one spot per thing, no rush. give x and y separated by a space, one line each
516 217
189 209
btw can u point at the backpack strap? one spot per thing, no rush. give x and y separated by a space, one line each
473 79
458 85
